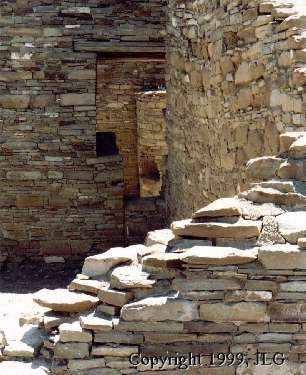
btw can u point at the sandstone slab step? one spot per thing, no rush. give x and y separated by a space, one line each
263 168
96 323
73 332
160 236
292 225
115 297
286 139
298 148
128 277
90 286
160 309
270 195
65 301
220 208
239 229
100 264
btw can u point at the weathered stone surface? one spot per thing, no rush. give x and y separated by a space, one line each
270 195
298 147
71 350
200 284
78 99
286 140
263 168
150 326
243 311
85 364
288 312
119 338
74 332
14 101
159 309
100 264
90 286
220 208
115 297
215 255
269 234
237 229
128 277
248 296
292 225
161 236
302 243
282 257
293 286
163 260
121 351
65 301
96 323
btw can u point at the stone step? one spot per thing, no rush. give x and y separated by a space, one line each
289 186
270 195
220 208
298 147
237 229
263 168
287 139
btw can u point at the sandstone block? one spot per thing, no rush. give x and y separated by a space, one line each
23 175
120 351
288 312
292 225
286 140
159 309
128 277
200 284
96 323
100 264
282 257
298 147
15 76
71 350
90 286
82 74
220 208
78 99
64 300
302 243
70 332
14 101
118 338
114 297
263 168
247 73
243 311
247 296
85 364
161 236
237 229
293 286
215 255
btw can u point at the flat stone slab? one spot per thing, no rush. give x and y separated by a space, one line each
90 286
271 195
220 208
292 225
159 309
214 255
160 236
115 297
65 301
280 257
231 312
264 167
286 139
96 323
100 264
128 277
298 147
73 332
239 229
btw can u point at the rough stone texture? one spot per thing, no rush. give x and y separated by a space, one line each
56 196
220 208
292 225
230 93
159 309
65 301
152 146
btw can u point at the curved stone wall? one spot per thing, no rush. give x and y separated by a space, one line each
235 81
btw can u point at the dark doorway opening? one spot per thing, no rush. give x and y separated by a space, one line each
106 144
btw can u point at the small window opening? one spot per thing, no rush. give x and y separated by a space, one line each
106 144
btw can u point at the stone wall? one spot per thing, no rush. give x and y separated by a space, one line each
236 76
152 146
55 198
118 81
220 293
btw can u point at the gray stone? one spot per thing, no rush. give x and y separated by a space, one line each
292 225
128 277
77 99
71 350
159 309
282 257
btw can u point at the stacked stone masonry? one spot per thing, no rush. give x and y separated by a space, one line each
236 78
231 279
152 146
56 196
